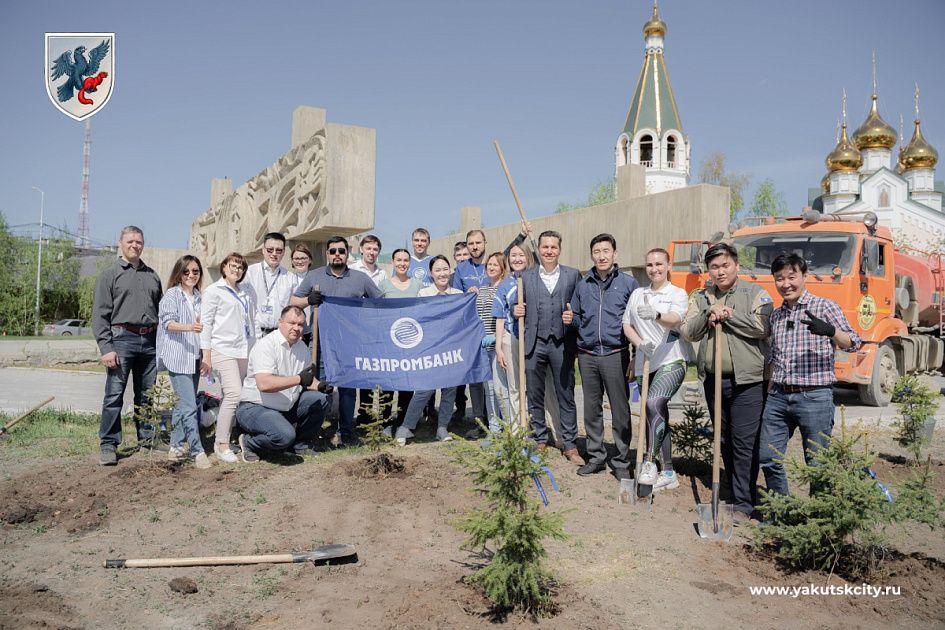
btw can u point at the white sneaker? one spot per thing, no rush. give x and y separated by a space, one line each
175 454
666 481
648 474
226 456
202 461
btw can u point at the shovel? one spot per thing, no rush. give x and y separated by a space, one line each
636 489
318 556
716 520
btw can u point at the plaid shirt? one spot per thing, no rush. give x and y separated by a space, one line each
798 356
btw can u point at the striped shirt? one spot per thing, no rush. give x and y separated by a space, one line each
178 352
798 356
484 302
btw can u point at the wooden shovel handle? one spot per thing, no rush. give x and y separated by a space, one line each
10 424
645 390
522 403
518 202
717 411
146 563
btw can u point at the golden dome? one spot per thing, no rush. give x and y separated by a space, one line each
918 153
825 183
655 26
845 156
874 133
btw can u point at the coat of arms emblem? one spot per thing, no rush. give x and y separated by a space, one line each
80 72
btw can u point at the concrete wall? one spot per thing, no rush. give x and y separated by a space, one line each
637 223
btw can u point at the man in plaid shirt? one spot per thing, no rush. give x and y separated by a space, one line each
805 329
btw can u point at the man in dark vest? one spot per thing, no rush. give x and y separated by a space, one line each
550 341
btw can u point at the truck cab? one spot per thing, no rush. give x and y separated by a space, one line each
853 262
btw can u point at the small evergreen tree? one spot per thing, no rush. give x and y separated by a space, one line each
917 404
692 438
159 401
380 463
512 521
842 525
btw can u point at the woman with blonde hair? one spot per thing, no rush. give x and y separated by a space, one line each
226 339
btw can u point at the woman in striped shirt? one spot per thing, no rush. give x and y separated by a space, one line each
496 270
226 339
178 350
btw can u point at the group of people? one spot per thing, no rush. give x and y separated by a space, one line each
253 328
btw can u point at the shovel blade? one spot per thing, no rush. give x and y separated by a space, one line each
721 527
330 552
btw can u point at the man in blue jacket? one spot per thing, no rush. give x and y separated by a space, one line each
599 301
549 341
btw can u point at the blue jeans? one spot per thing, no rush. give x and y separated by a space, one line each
491 392
185 412
347 399
270 430
811 411
136 357
419 401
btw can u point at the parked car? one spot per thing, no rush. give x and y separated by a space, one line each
68 328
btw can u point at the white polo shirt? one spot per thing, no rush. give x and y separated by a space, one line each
670 346
273 355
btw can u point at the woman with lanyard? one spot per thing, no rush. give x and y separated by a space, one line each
178 351
485 303
301 263
227 315
650 322
440 270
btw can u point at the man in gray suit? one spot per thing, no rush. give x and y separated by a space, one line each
550 341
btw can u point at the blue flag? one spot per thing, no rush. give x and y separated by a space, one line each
402 344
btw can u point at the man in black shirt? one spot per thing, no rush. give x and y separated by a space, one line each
124 321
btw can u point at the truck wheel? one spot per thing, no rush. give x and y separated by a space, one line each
885 374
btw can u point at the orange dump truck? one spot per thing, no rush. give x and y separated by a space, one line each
892 298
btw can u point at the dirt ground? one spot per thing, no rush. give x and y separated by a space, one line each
624 566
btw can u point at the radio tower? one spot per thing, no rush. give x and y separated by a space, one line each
82 238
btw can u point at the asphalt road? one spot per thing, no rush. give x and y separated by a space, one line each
21 388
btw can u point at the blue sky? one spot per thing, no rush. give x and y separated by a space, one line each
207 89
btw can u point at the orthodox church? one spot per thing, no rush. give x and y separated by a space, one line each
861 177
653 135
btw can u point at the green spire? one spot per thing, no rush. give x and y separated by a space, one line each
653 105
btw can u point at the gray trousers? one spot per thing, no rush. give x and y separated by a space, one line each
551 354
599 374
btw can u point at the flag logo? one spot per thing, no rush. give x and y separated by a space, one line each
406 333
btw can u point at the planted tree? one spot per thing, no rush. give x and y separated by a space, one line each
380 463
692 440
841 526
159 402
917 405
513 523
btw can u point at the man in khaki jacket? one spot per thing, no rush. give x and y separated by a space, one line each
741 310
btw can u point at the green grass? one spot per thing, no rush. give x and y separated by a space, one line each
53 433
692 373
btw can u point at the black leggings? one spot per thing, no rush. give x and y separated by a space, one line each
664 383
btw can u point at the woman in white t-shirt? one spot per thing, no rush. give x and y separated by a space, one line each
651 323
226 312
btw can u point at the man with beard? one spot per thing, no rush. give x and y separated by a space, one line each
336 280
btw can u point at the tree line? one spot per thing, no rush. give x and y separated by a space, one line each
63 292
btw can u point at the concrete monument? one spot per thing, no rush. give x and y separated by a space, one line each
322 187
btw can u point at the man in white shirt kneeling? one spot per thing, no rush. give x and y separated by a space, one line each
282 404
